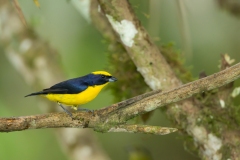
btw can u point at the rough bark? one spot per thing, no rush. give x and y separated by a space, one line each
158 75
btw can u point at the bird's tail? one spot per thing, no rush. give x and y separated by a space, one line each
35 93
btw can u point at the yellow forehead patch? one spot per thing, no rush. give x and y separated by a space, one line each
102 72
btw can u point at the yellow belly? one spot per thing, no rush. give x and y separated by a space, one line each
76 99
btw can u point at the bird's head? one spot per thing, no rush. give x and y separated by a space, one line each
101 77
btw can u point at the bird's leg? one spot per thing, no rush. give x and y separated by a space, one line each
85 109
69 113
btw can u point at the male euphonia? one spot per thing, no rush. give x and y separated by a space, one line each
77 91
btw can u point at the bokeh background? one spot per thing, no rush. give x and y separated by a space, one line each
200 30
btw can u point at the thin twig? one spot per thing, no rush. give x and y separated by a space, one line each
156 130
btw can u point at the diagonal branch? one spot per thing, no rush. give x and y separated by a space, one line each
157 99
114 117
158 75
144 53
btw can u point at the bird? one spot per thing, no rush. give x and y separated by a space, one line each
77 91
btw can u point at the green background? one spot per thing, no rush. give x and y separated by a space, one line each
212 32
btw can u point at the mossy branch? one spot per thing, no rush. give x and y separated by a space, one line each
114 117
159 75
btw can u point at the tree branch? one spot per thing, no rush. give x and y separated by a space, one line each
61 120
158 75
145 55
39 65
158 99
114 117
156 130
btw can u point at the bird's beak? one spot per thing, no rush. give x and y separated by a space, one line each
112 79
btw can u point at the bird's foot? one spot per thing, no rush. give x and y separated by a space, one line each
67 111
86 110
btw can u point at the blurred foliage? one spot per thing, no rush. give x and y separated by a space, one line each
233 6
37 3
138 153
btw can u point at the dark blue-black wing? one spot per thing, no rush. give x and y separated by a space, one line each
72 86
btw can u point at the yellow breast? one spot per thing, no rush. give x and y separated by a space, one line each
77 99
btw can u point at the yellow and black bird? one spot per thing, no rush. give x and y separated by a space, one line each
77 91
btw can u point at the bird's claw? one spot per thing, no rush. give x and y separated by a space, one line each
86 110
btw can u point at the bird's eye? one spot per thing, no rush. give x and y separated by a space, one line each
103 76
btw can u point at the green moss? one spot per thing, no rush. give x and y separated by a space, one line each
176 61
102 129
189 145
226 152
130 81
234 112
213 116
